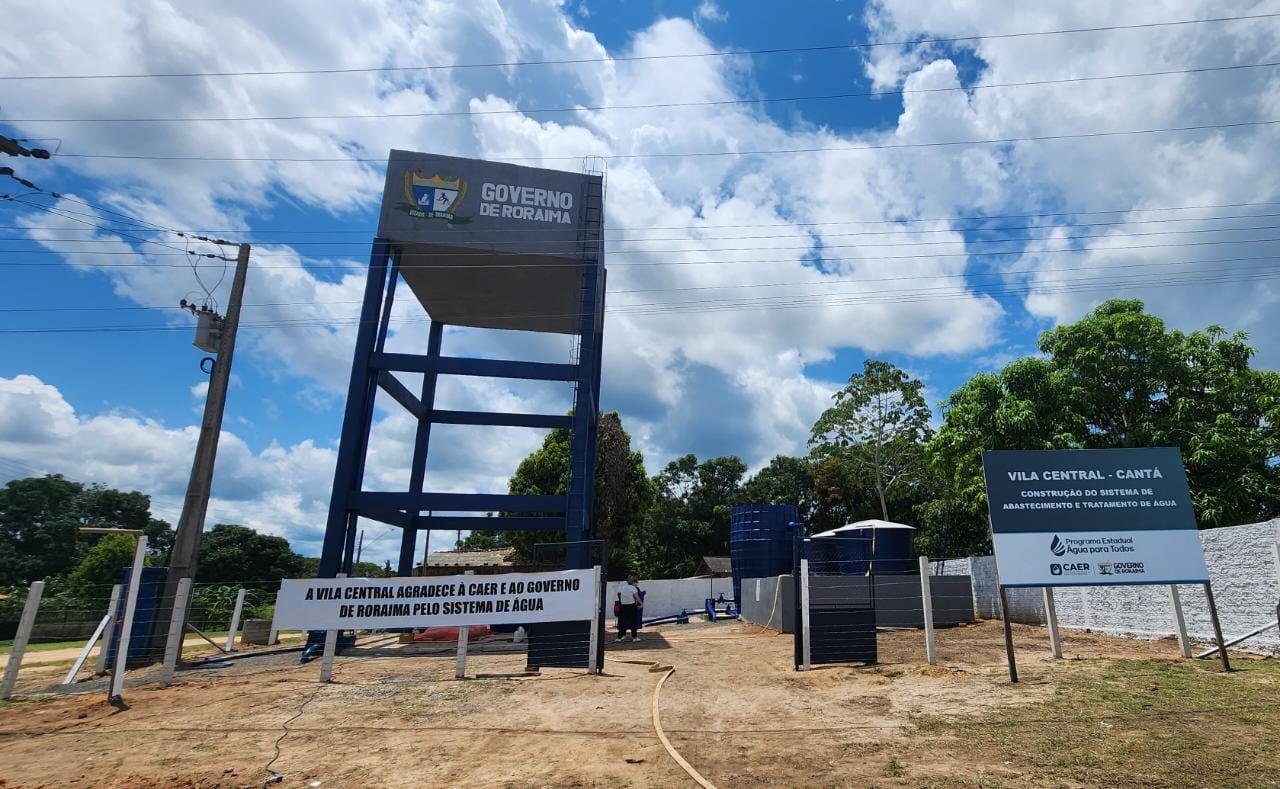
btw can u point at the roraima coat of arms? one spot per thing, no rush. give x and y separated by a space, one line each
434 197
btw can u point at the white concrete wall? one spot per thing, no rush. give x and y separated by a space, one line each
1246 587
1025 605
666 597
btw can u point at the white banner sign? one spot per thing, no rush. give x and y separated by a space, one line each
455 600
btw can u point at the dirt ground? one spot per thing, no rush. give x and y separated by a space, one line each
1114 712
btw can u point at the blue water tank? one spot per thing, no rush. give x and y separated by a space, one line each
760 542
847 550
144 614
895 547
840 554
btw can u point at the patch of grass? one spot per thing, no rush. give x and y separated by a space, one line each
1138 722
40 646
895 768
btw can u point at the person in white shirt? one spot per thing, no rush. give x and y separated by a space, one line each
629 604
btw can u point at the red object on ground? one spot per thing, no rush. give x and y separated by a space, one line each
475 633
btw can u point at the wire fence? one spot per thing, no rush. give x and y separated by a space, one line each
853 602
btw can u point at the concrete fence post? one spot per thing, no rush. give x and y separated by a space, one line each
173 644
460 663
1179 621
804 614
1275 554
594 651
330 647
101 667
271 637
126 626
235 620
21 638
926 601
1051 619
88 647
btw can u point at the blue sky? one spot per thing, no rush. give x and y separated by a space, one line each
120 406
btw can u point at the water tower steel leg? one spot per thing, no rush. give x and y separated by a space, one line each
349 543
355 419
585 413
421 445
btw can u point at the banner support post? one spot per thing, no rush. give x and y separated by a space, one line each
1217 626
460 664
330 647
594 649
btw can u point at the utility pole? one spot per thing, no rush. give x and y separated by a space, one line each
186 540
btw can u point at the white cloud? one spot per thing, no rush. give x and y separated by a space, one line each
1129 173
708 11
714 319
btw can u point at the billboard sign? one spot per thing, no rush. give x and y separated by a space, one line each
491 206
456 600
1092 517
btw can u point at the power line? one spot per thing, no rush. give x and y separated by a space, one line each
638 58
573 263
368 233
942 293
822 283
661 105
704 154
806 247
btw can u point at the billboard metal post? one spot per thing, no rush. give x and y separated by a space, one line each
1217 626
1179 621
1051 620
1008 635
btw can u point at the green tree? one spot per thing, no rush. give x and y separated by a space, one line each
842 494
878 426
1119 378
230 553
38 522
786 480
40 516
690 517
1024 406
623 492
102 566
